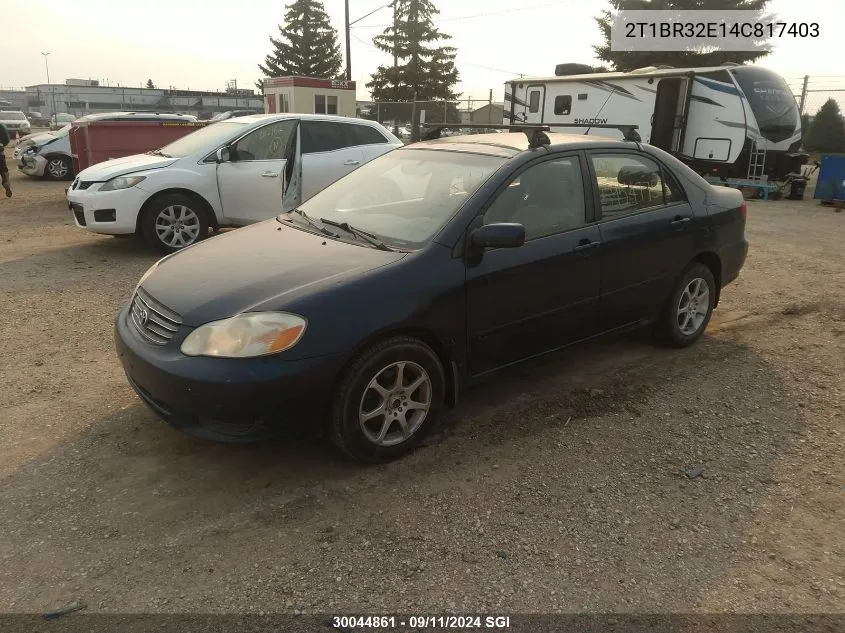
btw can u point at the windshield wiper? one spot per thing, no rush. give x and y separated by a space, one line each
367 237
311 221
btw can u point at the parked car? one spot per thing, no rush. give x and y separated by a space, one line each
61 119
372 306
48 155
222 116
230 173
16 122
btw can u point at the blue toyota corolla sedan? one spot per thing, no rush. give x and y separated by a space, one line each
367 309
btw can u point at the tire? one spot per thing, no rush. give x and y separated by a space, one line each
175 210
678 326
59 168
356 396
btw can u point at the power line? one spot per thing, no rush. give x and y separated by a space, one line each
472 17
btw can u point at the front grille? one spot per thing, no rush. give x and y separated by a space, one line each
84 184
153 321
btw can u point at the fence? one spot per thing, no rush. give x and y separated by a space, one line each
812 91
404 116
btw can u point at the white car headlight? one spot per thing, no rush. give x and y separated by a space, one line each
122 182
246 335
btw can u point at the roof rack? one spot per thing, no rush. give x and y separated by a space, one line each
535 132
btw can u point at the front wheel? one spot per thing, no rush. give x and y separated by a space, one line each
388 400
59 168
688 311
174 221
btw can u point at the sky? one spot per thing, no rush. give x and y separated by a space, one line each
200 45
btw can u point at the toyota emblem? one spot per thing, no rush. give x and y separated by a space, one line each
144 316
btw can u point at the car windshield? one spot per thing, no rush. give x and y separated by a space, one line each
404 197
204 139
12 116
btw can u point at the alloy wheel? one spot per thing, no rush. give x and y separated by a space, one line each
693 306
177 226
395 403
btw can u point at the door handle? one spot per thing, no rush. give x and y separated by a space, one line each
586 246
352 162
270 174
679 221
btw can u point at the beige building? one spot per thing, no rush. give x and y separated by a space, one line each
307 95
491 113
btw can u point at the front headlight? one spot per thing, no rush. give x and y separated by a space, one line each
246 335
122 182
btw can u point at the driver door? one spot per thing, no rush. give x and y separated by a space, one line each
251 182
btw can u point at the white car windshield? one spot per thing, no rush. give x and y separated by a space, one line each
404 197
12 116
205 139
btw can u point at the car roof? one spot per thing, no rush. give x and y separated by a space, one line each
254 118
510 144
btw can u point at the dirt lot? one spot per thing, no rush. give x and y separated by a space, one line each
556 487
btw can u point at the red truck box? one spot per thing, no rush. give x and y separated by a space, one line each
93 142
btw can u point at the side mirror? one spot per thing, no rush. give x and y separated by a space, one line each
223 155
501 235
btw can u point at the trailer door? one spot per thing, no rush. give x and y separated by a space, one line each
668 119
535 102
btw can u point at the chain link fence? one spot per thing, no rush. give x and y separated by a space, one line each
410 119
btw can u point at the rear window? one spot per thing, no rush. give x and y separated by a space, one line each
363 135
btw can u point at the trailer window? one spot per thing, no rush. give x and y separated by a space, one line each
534 101
563 104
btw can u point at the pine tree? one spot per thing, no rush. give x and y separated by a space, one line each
423 68
150 83
307 46
625 60
827 131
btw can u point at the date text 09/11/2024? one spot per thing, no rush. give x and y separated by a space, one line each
421 622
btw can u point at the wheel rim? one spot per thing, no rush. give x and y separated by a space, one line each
395 403
57 168
693 306
177 226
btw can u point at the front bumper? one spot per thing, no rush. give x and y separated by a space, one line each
125 203
229 400
30 164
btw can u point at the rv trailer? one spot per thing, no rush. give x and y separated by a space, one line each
728 121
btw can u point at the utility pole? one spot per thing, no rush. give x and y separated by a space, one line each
803 96
348 43
490 108
396 62
52 90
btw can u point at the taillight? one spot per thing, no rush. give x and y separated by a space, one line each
743 210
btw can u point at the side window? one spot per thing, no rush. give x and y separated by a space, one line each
546 198
265 143
627 183
322 136
363 135
563 104
673 191
534 101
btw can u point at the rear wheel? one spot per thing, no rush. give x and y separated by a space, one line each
174 221
388 400
59 168
688 311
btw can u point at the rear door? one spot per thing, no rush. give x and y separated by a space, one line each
535 103
648 234
326 155
251 182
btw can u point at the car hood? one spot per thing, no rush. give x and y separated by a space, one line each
264 266
38 140
120 166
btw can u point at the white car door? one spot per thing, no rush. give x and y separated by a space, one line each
251 182
326 155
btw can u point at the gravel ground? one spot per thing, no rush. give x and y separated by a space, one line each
567 485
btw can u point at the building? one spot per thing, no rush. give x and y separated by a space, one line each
491 113
90 98
15 98
307 95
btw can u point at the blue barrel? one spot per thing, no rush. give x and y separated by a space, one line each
831 182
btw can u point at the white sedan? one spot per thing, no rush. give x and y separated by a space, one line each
231 173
